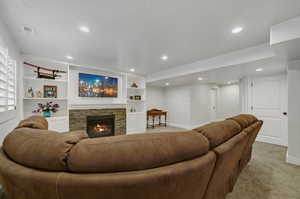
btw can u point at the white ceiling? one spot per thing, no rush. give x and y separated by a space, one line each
135 33
221 76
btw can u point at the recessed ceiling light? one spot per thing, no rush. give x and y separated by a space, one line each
167 84
132 70
237 30
200 78
69 57
164 57
84 29
259 69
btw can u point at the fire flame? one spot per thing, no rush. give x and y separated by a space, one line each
99 128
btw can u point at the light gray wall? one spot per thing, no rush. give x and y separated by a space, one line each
178 105
155 98
189 106
7 41
200 104
294 112
228 101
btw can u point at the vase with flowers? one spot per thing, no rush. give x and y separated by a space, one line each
47 109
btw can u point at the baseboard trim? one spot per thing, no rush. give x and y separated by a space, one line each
270 140
292 159
178 125
198 125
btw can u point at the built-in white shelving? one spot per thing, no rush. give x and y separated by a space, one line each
67 94
45 99
136 109
59 121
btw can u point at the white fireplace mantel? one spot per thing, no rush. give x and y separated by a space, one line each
96 106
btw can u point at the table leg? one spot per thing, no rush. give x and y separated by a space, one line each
159 120
165 120
153 119
147 121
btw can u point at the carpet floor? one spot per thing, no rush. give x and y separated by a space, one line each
267 176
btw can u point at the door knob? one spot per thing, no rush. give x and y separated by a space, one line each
284 113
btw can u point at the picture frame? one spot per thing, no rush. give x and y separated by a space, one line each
50 91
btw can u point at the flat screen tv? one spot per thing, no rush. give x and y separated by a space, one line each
97 86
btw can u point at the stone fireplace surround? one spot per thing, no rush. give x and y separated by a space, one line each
78 118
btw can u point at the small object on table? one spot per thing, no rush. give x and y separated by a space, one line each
154 113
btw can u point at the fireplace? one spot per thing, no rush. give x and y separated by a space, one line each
100 126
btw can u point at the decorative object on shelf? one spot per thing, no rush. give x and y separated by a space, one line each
46 109
131 97
30 92
134 85
137 97
97 86
38 94
50 91
43 72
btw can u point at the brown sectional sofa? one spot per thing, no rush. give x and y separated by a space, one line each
36 163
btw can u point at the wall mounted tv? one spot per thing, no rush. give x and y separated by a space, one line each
97 86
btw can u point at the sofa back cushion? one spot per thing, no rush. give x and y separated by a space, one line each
40 149
135 152
35 122
219 132
244 120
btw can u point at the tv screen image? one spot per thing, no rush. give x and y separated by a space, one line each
97 86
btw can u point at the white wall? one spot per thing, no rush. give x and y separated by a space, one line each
228 101
189 106
7 41
200 104
178 105
155 98
293 155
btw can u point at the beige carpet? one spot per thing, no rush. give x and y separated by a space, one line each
266 177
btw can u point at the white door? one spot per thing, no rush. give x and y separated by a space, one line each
213 104
269 103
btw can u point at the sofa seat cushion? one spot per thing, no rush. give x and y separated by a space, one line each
135 152
35 122
40 149
219 132
244 120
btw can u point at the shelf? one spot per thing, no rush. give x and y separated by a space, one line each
135 101
57 118
130 88
45 80
28 98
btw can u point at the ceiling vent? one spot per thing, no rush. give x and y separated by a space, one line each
27 29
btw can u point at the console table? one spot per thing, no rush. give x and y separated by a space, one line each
153 113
